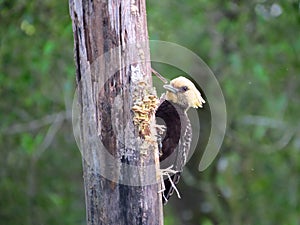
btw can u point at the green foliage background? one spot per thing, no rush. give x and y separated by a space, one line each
253 47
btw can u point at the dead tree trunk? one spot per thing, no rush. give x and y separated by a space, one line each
115 107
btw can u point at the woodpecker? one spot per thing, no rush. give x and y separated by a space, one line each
181 94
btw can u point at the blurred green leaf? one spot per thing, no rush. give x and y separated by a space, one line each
48 47
260 73
29 143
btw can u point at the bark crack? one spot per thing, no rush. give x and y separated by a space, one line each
86 26
120 24
76 49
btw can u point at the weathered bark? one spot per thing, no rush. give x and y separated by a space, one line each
120 157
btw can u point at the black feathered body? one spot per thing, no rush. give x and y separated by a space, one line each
176 141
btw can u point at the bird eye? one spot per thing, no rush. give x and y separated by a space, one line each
184 88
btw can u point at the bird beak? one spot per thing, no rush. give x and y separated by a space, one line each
170 88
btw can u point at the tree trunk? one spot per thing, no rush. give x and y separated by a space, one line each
115 105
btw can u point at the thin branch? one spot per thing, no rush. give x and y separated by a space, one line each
262 121
50 135
31 180
35 124
159 76
287 132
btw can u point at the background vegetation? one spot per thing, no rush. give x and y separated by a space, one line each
253 47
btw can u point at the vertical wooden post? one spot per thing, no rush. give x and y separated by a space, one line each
116 135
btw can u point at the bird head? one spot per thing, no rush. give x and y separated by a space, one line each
184 93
